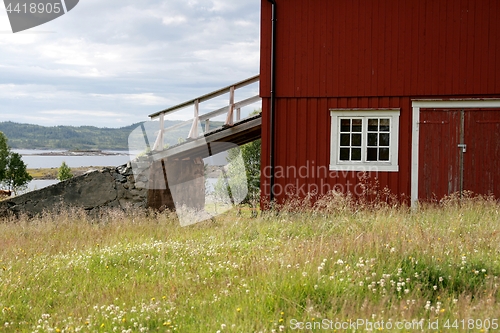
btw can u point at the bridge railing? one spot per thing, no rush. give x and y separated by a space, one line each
232 112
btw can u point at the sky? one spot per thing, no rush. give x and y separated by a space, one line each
112 63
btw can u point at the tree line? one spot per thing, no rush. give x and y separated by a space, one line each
28 136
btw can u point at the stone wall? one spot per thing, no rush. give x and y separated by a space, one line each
106 188
136 185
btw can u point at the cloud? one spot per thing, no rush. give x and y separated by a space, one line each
173 20
140 99
127 57
87 113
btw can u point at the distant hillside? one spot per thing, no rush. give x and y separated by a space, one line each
27 136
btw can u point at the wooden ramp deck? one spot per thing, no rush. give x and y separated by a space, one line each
213 140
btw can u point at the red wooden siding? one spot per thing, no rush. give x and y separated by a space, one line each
439 160
439 157
303 139
376 54
482 159
383 47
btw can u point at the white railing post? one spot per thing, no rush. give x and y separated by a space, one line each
158 146
193 133
228 110
162 128
207 125
229 119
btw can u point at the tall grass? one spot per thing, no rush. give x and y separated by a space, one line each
142 272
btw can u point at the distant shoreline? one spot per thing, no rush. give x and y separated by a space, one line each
51 173
77 153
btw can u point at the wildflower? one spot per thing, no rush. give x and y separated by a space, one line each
238 309
435 287
440 279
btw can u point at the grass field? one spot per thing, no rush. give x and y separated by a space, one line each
51 173
297 270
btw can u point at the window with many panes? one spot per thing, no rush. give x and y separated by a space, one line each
364 140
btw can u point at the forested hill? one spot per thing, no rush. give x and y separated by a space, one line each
26 136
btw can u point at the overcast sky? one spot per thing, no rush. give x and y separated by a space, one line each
112 63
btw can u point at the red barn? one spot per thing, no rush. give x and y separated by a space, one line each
407 91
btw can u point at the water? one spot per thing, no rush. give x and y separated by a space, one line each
40 183
34 161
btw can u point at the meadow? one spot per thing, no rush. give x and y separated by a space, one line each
340 268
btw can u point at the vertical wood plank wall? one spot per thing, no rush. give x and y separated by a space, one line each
370 54
303 141
383 47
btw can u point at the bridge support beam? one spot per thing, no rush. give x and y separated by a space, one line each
176 183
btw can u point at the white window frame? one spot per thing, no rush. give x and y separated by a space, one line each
337 165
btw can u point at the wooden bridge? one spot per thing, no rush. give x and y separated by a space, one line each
176 177
235 129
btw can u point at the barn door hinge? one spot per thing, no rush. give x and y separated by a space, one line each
463 146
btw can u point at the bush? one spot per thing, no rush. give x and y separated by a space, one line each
64 172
